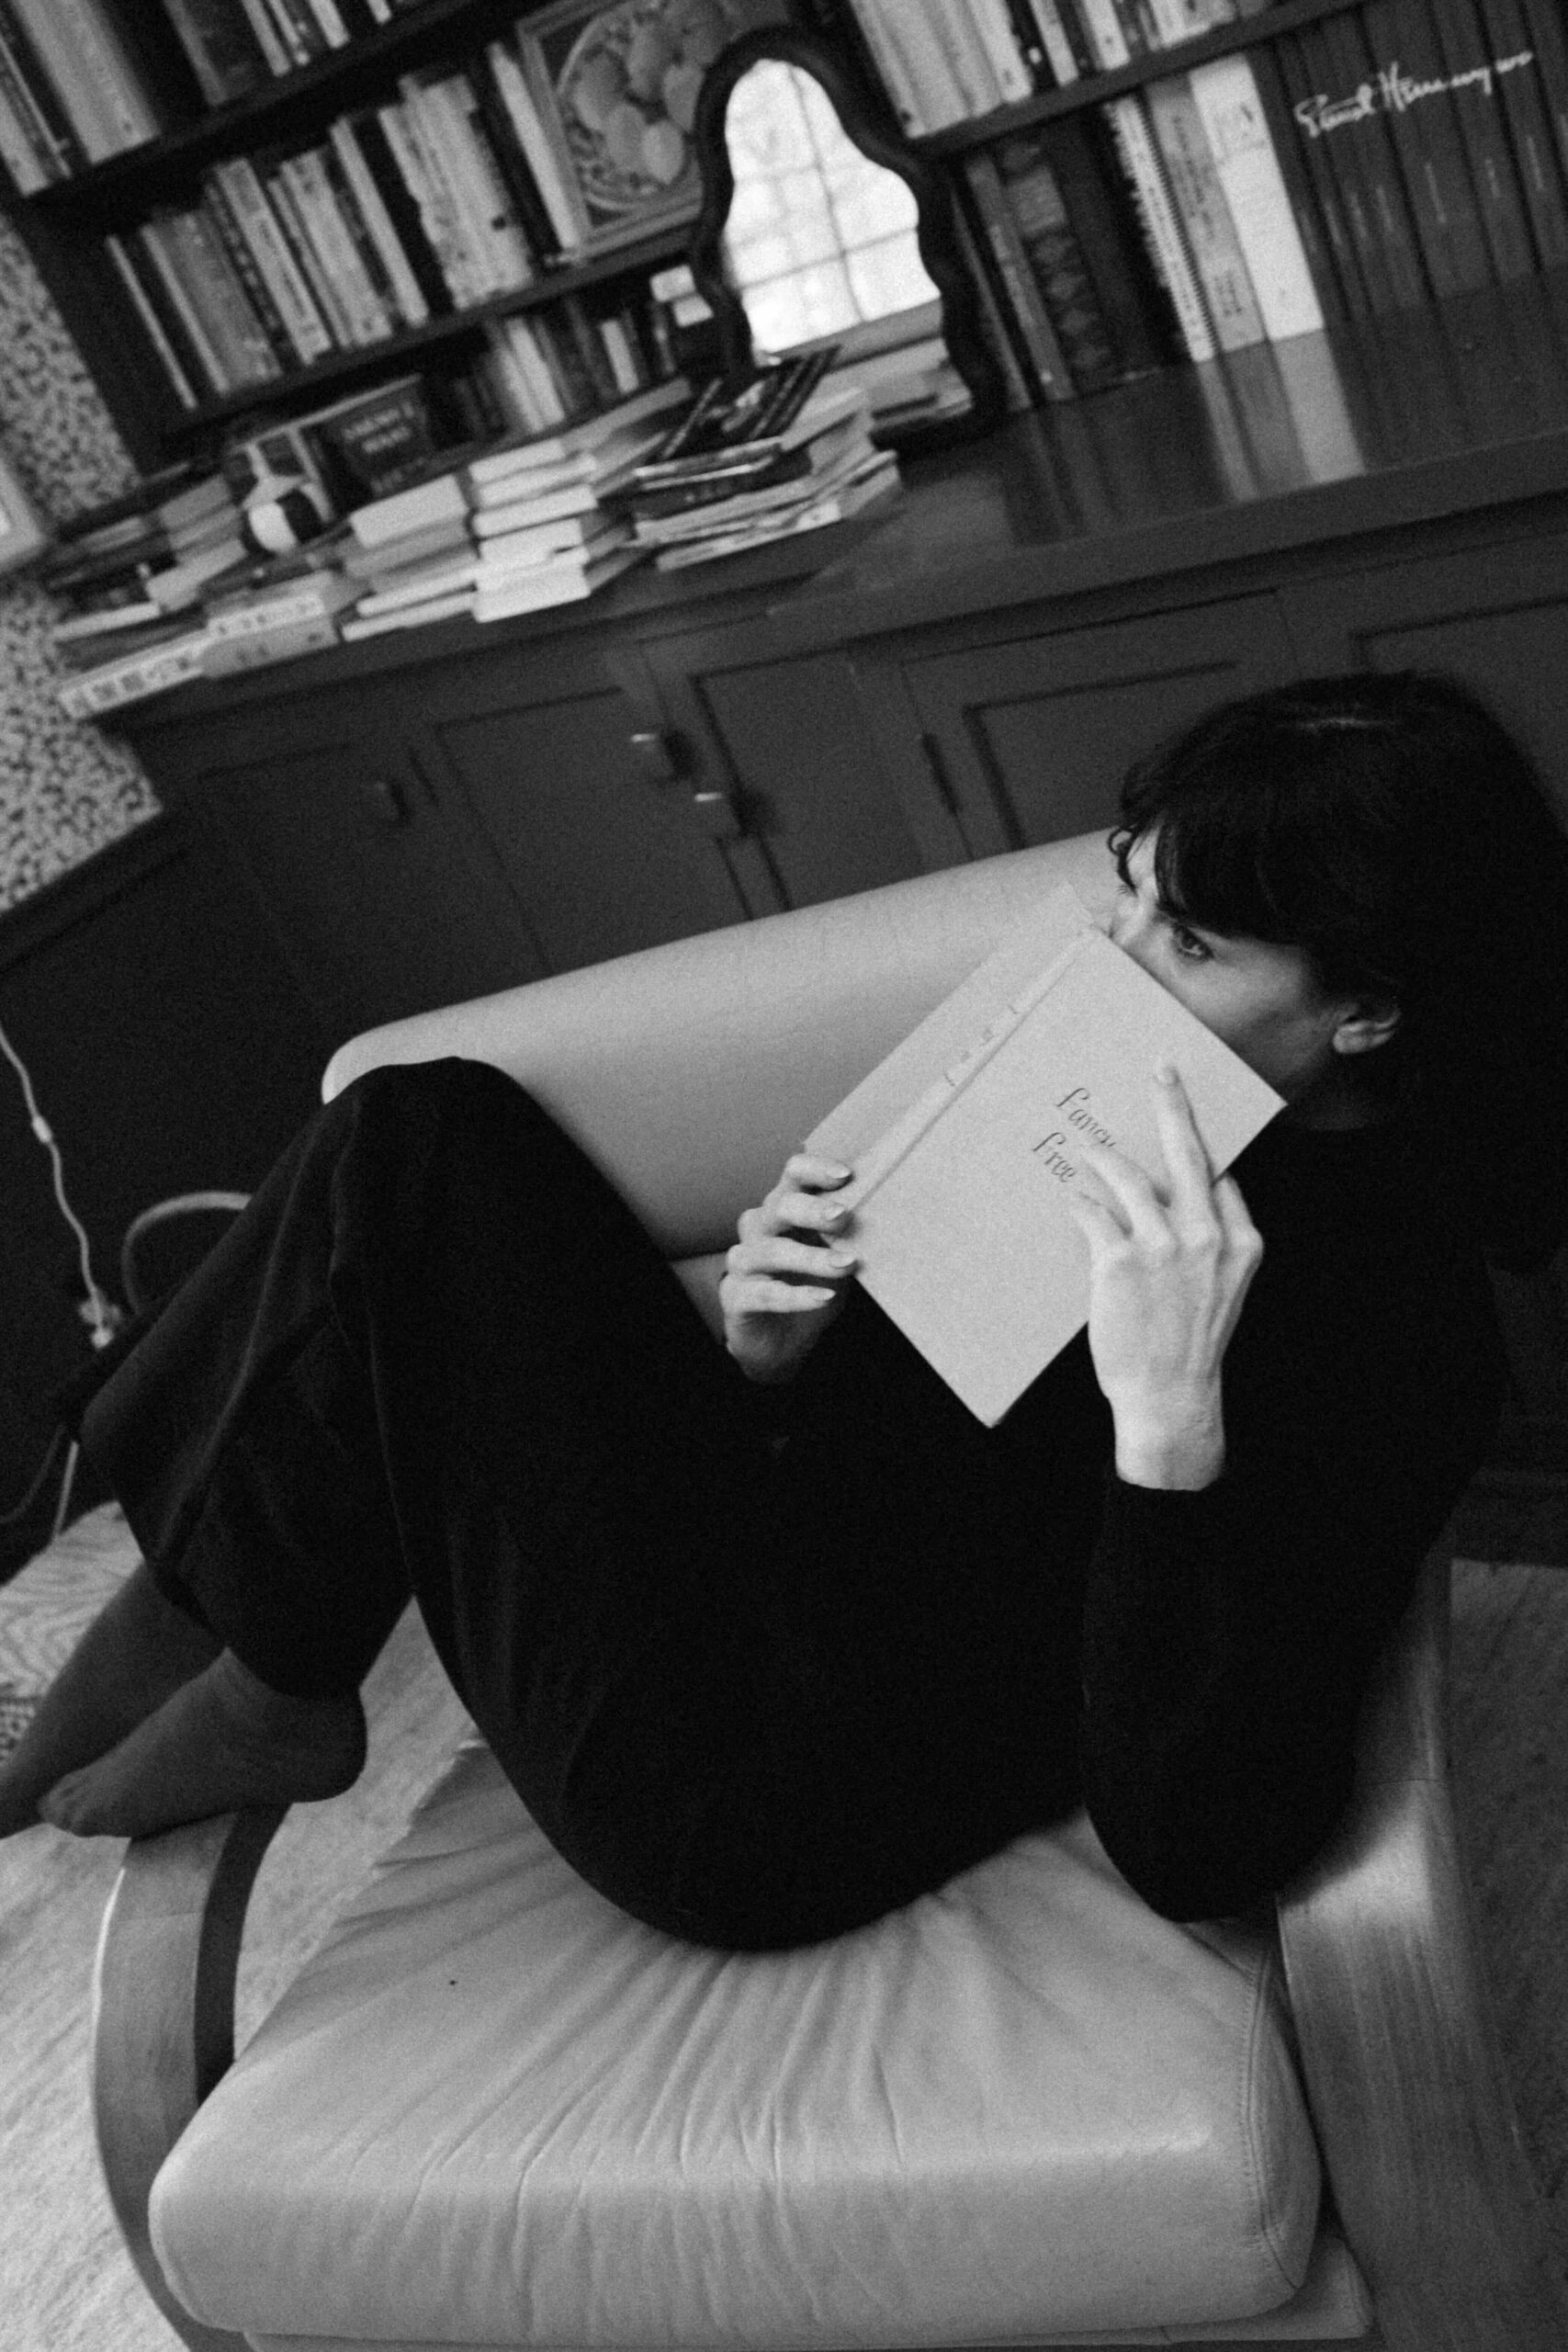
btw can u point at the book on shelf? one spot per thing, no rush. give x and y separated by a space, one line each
1549 39
379 563
437 576
442 499
221 44
1525 102
598 443
41 112
134 677
256 612
1252 185
488 246
1361 152
392 218
557 188
967 1141
576 540
1164 242
261 649
994 29
1107 225
1413 89
1477 85
834 430
80 52
263 26
1022 298
768 512
372 442
535 506
1193 178
308 335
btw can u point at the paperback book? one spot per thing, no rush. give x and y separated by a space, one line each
967 1141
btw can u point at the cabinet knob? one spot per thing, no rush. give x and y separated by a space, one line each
716 814
655 756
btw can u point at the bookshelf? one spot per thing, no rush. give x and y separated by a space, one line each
65 223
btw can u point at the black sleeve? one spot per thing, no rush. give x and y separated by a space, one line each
1229 1633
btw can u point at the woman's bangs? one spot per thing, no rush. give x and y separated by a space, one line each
1215 854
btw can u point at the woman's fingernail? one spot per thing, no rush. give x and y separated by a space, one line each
841 1258
835 1209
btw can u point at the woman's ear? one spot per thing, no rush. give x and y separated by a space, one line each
1366 1025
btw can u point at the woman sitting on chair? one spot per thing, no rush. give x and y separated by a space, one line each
774 1641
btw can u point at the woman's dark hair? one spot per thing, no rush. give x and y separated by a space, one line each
1392 829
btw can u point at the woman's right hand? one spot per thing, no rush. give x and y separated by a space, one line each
788 1276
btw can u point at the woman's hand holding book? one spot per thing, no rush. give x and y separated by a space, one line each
788 1276
1169 1267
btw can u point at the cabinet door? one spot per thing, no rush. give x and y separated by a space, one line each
382 906
605 845
1030 739
1496 616
827 808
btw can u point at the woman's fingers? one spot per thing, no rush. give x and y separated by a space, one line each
776 1253
1186 1160
1186 1201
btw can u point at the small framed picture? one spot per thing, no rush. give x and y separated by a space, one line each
22 535
617 81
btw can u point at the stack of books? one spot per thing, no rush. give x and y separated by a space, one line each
128 576
789 450
544 533
411 556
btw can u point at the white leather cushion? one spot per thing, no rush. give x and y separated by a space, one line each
494 2110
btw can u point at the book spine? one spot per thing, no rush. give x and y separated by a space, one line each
1017 389
50 42
279 192
573 381
220 218
1413 90
1299 131
102 57
168 358
1226 96
544 393
1205 216
1106 34
347 208
1350 119
153 240
268 40
1047 362
216 39
1010 70
369 138
241 339
1525 102
404 125
493 122
1057 39
1287 137
556 192
953 26
887 64
226 657
477 175
301 35
1109 231
926 62
36 101
1477 99
1030 47
405 287
1135 147
303 323
309 184
133 680
1549 34
1057 260
329 18
17 150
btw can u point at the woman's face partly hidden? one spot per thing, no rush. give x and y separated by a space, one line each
1262 1000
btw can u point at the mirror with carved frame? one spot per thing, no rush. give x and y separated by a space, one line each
819 224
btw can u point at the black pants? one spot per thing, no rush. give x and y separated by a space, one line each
437 1355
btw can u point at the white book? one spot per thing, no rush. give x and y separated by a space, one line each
537 506
269 41
1226 96
953 27
628 422
441 499
434 608
442 577
552 584
965 1142
316 207
1102 30
558 200
334 309
134 676
482 196
519 556
53 35
534 542
895 77
18 153
330 18
1204 214
994 27
437 214
1053 37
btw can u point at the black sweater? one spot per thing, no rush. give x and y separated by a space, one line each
1013 1631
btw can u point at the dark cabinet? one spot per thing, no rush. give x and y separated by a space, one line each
1029 738
606 838
320 807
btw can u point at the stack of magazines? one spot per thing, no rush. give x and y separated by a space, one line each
788 450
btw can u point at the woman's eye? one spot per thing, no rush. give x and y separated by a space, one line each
1187 943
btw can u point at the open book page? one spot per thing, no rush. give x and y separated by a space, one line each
962 1168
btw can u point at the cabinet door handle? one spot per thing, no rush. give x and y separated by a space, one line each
718 815
385 798
655 756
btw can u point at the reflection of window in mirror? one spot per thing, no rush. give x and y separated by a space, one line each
820 241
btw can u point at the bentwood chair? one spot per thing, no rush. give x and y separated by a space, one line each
492 2112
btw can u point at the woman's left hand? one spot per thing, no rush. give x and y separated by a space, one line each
1169 1267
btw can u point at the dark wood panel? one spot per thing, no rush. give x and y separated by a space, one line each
1034 735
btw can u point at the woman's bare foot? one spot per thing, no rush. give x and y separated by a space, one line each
221 1741
138 1651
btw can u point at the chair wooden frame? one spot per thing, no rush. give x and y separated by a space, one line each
1398 2053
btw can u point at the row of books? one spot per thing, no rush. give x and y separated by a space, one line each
1278 189
943 61
81 81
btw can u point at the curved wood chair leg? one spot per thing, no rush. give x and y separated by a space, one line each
1399 2053
163 2016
